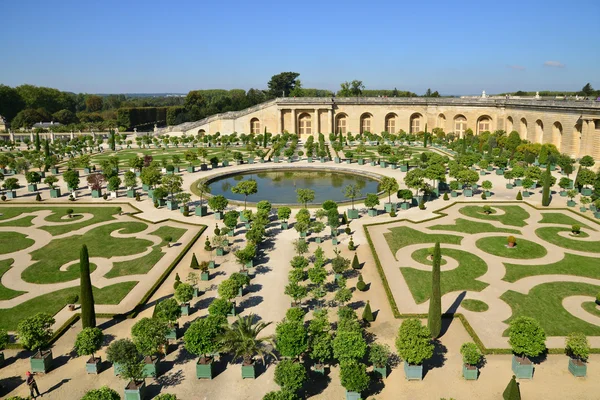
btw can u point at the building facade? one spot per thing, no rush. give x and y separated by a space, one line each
572 126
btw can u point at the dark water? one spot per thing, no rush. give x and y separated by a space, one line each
280 186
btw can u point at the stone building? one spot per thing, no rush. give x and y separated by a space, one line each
3 124
572 126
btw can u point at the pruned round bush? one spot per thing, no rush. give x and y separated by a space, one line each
577 346
219 307
104 393
576 229
471 354
526 337
511 239
295 314
290 375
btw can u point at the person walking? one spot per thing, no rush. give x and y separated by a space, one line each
32 385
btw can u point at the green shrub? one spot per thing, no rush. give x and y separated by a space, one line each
577 346
483 196
446 196
471 354
519 196
576 229
361 285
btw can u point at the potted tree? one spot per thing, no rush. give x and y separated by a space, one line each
414 346
11 185
241 339
454 186
471 359
584 200
169 311
512 241
202 189
389 185
351 192
379 355
113 186
95 181
371 201
527 184
577 348
32 178
203 153
354 378
231 220
283 213
407 196
527 339
51 181
190 157
88 342
34 333
149 336
571 195
4 339
130 180
202 338
121 352
184 293
218 204
487 186
564 183
133 371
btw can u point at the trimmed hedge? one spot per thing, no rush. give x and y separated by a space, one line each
132 117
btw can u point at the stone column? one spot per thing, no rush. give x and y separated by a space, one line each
294 124
11 136
279 122
317 122
330 120
52 137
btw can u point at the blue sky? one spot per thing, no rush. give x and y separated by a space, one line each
455 47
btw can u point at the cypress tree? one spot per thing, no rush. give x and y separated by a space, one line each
546 188
367 314
37 141
434 321
355 262
512 391
265 138
47 148
88 314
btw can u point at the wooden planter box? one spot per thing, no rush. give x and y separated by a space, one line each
322 159
522 367
353 395
214 165
389 207
92 366
454 193
577 367
211 264
117 369
382 371
361 161
352 214
413 372
54 170
509 186
336 160
404 168
185 309
334 240
131 194
232 313
249 371
470 372
220 251
219 215
151 367
586 191
201 211
468 193
405 205
96 194
251 161
204 276
499 172
571 203
172 205
184 209
372 212
383 164
482 173
203 167
225 163
284 225
135 391
191 169
54 193
41 361
32 187
518 182
490 168
204 368
309 159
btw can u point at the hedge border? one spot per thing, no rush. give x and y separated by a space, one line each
459 316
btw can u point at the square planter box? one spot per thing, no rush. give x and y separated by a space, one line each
563 193
232 313
404 168
309 159
522 368
220 251
482 173
334 240
214 166
251 161
470 372
219 215
54 193
361 161
131 194
184 209
204 276
383 164
243 217
117 369
582 209
349 161
196 292
204 368
336 160
145 187
381 371
468 193
499 172
239 162
172 205
191 169
413 372
211 264
352 214
405 206
586 191
490 168
276 159
509 186
373 163
372 212
151 367
284 225
135 393
185 309
96 194
248 371
230 233
318 239
526 193
41 361
172 334
54 171
389 207
577 367
571 203
597 214
203 167
488 193
518 182
302 234
92 366
353 395
176 170
201 211
454 193
323 159
32 187
161 202
393 166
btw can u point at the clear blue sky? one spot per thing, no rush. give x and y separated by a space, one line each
455 47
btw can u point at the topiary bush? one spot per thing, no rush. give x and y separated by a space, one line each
471 354
519 196
576 229
361 285
577 346
526 337
446 196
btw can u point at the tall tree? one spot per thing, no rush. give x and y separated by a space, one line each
94 103
37 141
434 321
88 313
587 90
282 84
546 187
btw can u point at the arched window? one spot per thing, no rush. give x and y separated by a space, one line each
460 125
255 126
365 123
576 140
415 123
390 123
340 123
557 131
441 121
509 125
484 125
539 131
201 132
523 129
304 123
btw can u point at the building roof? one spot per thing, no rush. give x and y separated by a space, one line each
46 124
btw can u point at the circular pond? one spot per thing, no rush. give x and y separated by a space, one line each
279 186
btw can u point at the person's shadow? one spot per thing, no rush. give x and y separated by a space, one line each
56 386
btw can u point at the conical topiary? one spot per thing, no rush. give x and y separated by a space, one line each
519 196
367 315
194 264
434 321
217 230
446 196
344 219
355 262
88 313
512 391
177 281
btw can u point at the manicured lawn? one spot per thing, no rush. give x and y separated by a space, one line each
524 249
422 255
544 303
53 302
513 215
591 307
23 222
463 277
99 242
563 219
466 226
550 234
6 293
402 236
14 241
474 305
571 264
144 264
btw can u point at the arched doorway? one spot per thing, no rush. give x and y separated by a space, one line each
340 123
255 126
390 123
523 129
441 121
365 123
484 124
460 126
539 131
415 123
305 124
509 125
557 132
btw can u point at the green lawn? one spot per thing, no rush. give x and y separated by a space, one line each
53 302
463 277
524 249
144 264
422 255
571 264
474 305
6 293
544 303
23 222
100 244
563 219
466 226
402 236
14 241
550 234
513 215
591 307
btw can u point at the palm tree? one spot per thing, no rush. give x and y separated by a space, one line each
241 339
